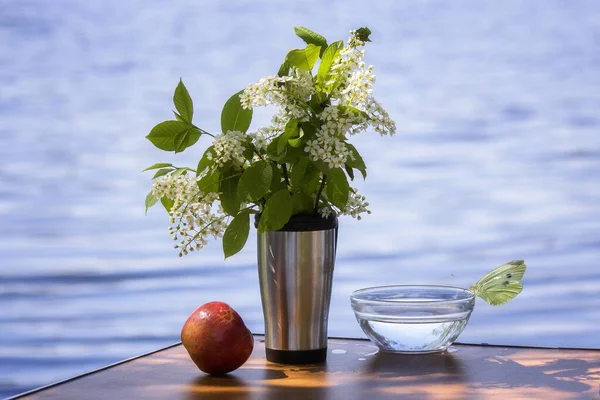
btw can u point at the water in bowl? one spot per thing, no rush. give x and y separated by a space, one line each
419 337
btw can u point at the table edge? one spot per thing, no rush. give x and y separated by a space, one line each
258 336
73 378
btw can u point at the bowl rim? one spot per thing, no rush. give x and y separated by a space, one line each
470 295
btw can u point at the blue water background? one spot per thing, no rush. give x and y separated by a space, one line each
497 157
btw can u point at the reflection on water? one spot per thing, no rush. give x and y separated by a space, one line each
498 157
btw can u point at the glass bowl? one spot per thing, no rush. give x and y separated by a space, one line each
412 319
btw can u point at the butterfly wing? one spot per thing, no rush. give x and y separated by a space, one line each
502 284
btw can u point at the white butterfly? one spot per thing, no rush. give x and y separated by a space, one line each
502 284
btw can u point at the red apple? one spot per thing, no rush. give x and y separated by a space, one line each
216 338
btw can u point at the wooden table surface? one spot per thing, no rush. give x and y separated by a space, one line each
354 370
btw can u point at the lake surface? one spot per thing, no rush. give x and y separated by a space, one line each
497 157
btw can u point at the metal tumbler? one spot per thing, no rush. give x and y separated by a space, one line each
295 267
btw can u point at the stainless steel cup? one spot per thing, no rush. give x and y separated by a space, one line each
295 267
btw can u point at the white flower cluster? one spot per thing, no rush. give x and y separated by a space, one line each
328 148
357 205
262 137
350 59
194 217
325 212
353 83
379 119
228 147
290 93
358 88
265 92
302 86
328 145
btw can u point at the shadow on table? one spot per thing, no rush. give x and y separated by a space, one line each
231 386
468 373
536 369
514 372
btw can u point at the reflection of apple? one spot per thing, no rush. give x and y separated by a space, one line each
216 338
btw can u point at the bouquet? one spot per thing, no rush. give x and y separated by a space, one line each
302 163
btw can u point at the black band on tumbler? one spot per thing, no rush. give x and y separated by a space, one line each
297 356
305 223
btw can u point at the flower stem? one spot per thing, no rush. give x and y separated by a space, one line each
255 150
204 132
285 174
323 181
219 181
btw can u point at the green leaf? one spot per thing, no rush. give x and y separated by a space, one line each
228 187
310 37
163 135
315 103
353 111
150 201
304 59
157 166
297 141
161 172
310 181
256 180
210 182
289 154
183 102
186 139
178 117
272 150
234 117
327 59
276 182
167 203
292 154
307 132
236 234
363 34
179 171
349 171
284 70
277 212
298 171
248 152
290 132
322 166
205 161
337 188
302 203
357 163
